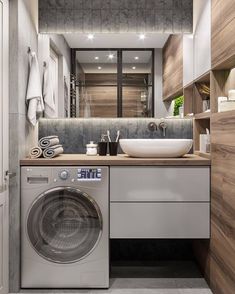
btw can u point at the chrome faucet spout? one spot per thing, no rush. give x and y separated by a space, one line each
163 125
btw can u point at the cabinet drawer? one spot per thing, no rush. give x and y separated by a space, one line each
164 184
160 220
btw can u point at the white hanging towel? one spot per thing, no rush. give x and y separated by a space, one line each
34 91
87 106
48 94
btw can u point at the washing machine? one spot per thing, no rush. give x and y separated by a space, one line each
64 227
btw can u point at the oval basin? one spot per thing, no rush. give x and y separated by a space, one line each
156 147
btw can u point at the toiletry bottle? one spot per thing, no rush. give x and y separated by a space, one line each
102 146
208 142
91 149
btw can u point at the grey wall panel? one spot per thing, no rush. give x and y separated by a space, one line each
74 134
115 16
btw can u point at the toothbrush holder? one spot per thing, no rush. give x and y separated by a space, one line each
102 148
113 148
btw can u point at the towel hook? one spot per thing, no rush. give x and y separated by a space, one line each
29 50
44 64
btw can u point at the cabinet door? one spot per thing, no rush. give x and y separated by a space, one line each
173 67
159 184
160 220
188 59
223 23
202 41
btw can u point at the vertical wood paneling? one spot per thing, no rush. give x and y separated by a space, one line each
223 23
173 67
217 257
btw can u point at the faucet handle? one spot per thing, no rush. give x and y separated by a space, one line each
164 126
152 126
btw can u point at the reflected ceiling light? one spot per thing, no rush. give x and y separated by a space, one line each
90 36
96 57
137 58
142 36
133 67
99 67
111 56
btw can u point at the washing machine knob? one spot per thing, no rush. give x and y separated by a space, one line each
64 175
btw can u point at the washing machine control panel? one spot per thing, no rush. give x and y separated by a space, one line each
89 174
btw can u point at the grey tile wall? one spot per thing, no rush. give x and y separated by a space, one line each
60 16
75 133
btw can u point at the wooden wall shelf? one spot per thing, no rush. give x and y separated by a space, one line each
202 154
203 115
221 82
193 99
199 128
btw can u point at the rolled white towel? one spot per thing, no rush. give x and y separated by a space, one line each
53 151
35 152
49 141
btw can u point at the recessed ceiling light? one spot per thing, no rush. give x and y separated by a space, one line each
96 57
90 36
99 67
142 36
133 67
111 56
137 58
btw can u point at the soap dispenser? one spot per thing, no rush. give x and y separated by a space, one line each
91 149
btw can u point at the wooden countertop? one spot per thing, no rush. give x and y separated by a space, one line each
119 160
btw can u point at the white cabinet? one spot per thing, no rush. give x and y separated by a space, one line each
188 59
202 40
160 202
197 47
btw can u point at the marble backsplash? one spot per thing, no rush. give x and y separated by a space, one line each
74 134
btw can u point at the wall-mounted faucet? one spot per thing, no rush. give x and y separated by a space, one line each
163 125
152 127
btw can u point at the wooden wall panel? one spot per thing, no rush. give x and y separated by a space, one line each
217 256
173 67
223 24
101 92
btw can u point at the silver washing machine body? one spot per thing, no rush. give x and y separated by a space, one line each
64 227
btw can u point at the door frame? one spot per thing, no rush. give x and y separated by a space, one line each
4 149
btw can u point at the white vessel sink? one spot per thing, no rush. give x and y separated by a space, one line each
156 147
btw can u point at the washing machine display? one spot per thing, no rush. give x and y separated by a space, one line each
89 174
64 225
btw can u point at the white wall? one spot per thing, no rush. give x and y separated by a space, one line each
162 109
23 34
59 44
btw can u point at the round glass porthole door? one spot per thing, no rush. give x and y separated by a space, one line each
64 225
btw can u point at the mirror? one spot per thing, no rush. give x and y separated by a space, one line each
91 80
112 83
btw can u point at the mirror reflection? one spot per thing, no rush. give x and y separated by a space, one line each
112 83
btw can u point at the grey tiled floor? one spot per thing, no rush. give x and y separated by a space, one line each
163 278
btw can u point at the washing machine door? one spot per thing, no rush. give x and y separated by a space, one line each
64 225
